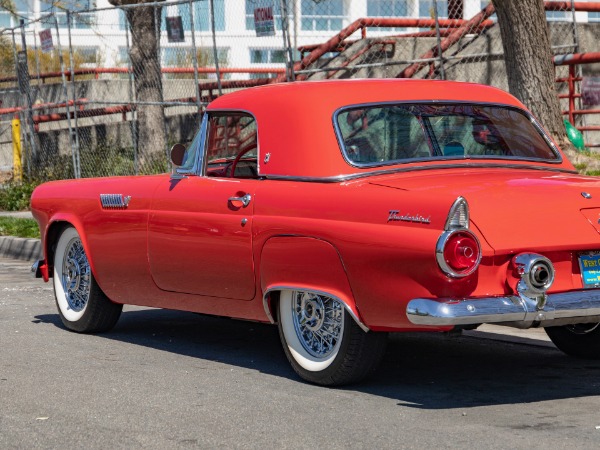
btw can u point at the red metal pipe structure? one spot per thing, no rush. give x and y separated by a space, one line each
578 6
474 23
171 70
572 60
81 102
362 24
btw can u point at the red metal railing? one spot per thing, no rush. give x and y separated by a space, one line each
166 70
573 60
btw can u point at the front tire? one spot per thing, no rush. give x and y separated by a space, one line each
580 340
82 305
323 343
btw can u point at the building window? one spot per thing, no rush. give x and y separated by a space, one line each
21 9
79 18
557 16
426 9
86 55
387 8
267 56
323 16
5 19
202 21
183 57
252 4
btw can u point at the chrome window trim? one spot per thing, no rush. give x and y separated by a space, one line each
463 165
527 114
228 112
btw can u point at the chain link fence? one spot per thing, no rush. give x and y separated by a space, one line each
106 91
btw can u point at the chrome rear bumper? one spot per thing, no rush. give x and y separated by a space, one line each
519 311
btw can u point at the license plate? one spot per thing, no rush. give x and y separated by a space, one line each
590 269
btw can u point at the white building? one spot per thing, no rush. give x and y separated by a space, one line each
99 31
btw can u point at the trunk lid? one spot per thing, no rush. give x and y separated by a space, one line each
517 209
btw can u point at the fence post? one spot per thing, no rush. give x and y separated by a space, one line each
195 61
73 87
287 44
37 58
157 11
133 123
439 39
26 89
74 149
215 52
571 93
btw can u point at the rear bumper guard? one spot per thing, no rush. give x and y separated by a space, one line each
518 310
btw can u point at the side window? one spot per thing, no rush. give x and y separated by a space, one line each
231 146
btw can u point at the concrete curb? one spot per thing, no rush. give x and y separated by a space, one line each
20 248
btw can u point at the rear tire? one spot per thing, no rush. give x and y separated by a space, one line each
323 343
82 305
580 340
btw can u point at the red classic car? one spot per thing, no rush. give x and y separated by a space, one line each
341 210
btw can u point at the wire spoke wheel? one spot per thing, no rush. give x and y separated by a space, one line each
323 342
319 322
76 275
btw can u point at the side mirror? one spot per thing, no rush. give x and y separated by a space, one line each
177 153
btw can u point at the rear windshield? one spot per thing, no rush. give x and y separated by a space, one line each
383 134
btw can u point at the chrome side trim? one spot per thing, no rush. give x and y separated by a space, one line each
566 307
296 288
467 163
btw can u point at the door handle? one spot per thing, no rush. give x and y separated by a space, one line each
244 200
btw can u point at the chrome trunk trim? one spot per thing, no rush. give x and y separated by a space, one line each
522 312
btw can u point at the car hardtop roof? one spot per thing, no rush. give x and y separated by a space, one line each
295 121
334 94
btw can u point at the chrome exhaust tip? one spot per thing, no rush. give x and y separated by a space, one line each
536 275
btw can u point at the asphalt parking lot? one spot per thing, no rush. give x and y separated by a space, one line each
168 379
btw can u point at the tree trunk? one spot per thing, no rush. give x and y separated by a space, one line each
148 83
528 60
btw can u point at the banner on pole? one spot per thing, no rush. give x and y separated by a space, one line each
46 40
175 29
264 23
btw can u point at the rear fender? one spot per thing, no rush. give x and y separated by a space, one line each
306 264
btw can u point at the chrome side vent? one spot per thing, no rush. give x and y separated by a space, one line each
114 201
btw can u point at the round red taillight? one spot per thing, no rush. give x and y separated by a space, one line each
459 253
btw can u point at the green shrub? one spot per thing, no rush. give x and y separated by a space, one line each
15 196
13 226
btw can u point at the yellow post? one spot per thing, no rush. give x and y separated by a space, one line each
16 143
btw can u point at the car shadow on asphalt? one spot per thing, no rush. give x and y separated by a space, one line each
420 370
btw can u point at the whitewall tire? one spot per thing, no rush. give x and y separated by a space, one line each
82 305
323 342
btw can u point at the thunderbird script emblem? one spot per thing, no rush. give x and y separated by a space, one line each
396 216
